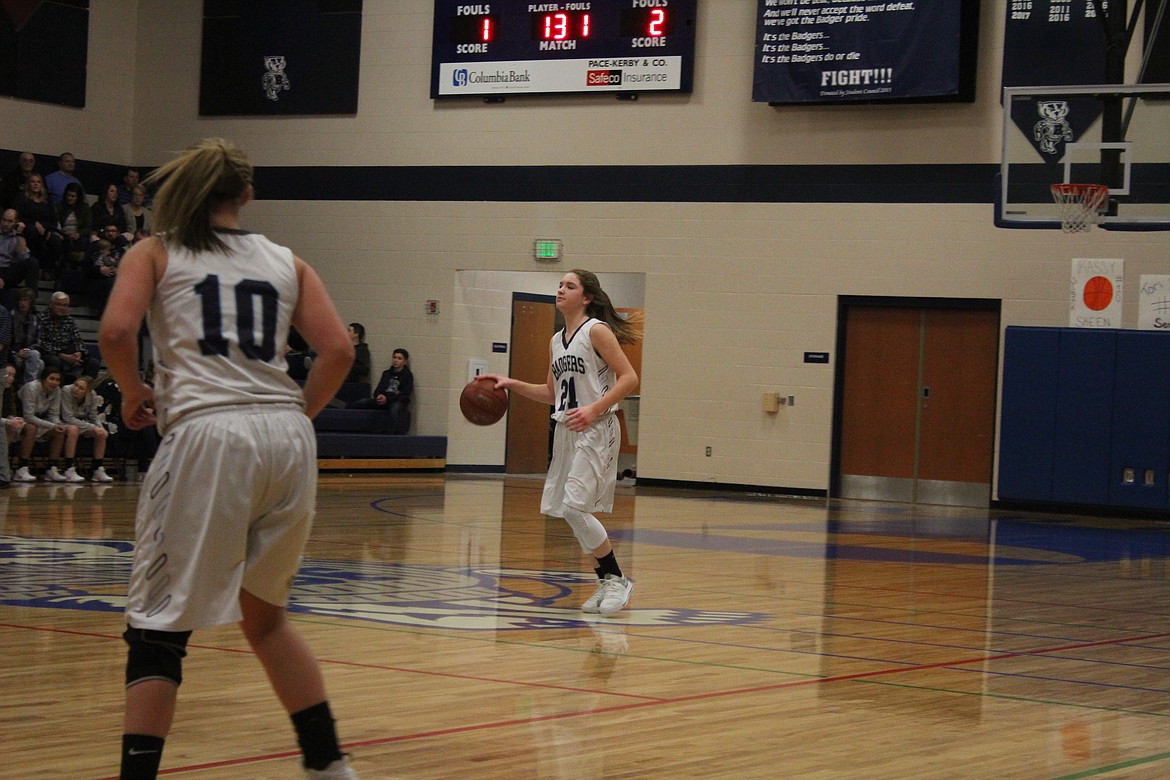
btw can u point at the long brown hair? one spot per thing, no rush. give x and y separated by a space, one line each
601 308
205 177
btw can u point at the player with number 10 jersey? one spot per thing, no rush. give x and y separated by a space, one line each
215 322
227 506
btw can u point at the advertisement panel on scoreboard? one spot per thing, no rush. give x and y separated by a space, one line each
500 49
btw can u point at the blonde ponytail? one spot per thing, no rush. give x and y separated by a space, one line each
205 177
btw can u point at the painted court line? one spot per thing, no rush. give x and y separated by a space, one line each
696 697
356 664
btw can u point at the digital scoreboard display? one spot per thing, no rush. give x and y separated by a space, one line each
508 48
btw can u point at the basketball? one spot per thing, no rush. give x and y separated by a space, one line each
1098 293
482 403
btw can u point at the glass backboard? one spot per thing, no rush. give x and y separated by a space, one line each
1117 135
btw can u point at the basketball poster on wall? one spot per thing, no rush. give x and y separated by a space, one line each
1154 303
1095 293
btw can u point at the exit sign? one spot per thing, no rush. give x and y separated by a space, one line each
547 248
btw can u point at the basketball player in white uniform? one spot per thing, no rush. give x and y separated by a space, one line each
227 506
588 376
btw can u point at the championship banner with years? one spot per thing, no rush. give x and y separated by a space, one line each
1053 43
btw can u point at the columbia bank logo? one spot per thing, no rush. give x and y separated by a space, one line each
462 77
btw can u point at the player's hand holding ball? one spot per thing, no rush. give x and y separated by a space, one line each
482 401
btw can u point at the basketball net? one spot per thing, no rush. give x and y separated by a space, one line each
1080 205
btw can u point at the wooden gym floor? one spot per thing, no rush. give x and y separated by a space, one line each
766 638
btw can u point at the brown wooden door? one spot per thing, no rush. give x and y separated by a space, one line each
917 390
533 324
881 377
960 361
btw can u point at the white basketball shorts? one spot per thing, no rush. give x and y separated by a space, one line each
228 503
583 471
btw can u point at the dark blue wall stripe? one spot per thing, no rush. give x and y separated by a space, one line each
972 183
637 184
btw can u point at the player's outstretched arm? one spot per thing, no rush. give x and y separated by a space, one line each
540 393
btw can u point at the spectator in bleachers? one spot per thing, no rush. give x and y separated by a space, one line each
5 336
107 208
135 447
60 342
126 188
58 180
18 266
10 423
109 232
8 405
81 413
26 331
14 181
41 230
105 256
102 272
299 357
360 371
40 404
76 221
393 392
139 217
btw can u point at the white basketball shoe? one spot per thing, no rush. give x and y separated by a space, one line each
592 603
338 770
616 595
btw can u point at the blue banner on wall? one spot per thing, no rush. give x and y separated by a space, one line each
44 48
1157 44
812 51
1048 42
262 57
1053 43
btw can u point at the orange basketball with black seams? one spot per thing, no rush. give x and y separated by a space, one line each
482 403
1098 293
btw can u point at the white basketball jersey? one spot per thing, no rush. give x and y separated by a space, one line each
580 376
219 327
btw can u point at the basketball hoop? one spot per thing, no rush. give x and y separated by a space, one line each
1080 205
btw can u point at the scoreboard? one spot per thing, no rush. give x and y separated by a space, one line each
498 49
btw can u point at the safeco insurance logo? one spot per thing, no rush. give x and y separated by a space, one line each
603 78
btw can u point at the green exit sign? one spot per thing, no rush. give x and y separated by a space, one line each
547 248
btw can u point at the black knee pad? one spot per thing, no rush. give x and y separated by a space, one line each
155 655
